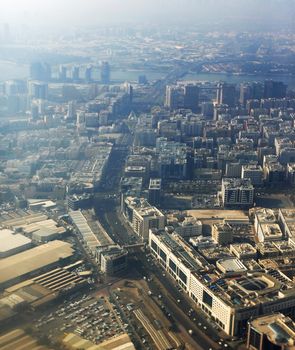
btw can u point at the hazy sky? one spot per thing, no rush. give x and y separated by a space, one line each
83 12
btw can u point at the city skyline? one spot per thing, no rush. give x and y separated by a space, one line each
147 174
78 13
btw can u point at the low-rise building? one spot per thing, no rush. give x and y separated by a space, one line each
230 265
189 227
112 259
267 250
82 201
275 331
222 233
21 265
286 218
243 251
269 232
12 243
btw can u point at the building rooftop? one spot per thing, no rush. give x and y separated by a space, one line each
23 219
87 226
243 248
155 184
252 167
230 265
288 214
149 212
215 253
233 183
218 214
188 256
278 328
271 231
267 247
33 259
119 342
17 339
265 215
9 241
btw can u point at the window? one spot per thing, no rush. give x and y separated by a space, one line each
163 255
182 276
207 299
172 265
154 246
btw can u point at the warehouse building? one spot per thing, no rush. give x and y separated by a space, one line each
11 243
15 268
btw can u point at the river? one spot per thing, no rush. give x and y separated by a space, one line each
10 70
237 79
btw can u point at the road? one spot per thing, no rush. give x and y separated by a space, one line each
178 305
106 209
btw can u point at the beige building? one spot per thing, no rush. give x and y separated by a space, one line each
229 300
222 233
243 250
274 331
142 216
145 219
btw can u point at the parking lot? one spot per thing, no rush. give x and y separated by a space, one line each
95 319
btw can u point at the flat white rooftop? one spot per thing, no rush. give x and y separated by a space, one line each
9 241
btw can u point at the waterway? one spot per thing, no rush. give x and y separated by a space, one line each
10 70
237 79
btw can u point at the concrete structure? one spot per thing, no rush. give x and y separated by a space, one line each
275 174
91 240
243 251
172 159
23 264
290 174
83 201
275 331
229 301
146 218
43 231
286 218
189 227
142 216
112 259
269 232
12 243
154 194
263 216
237 192
222 234
230 265
226 94
254 173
